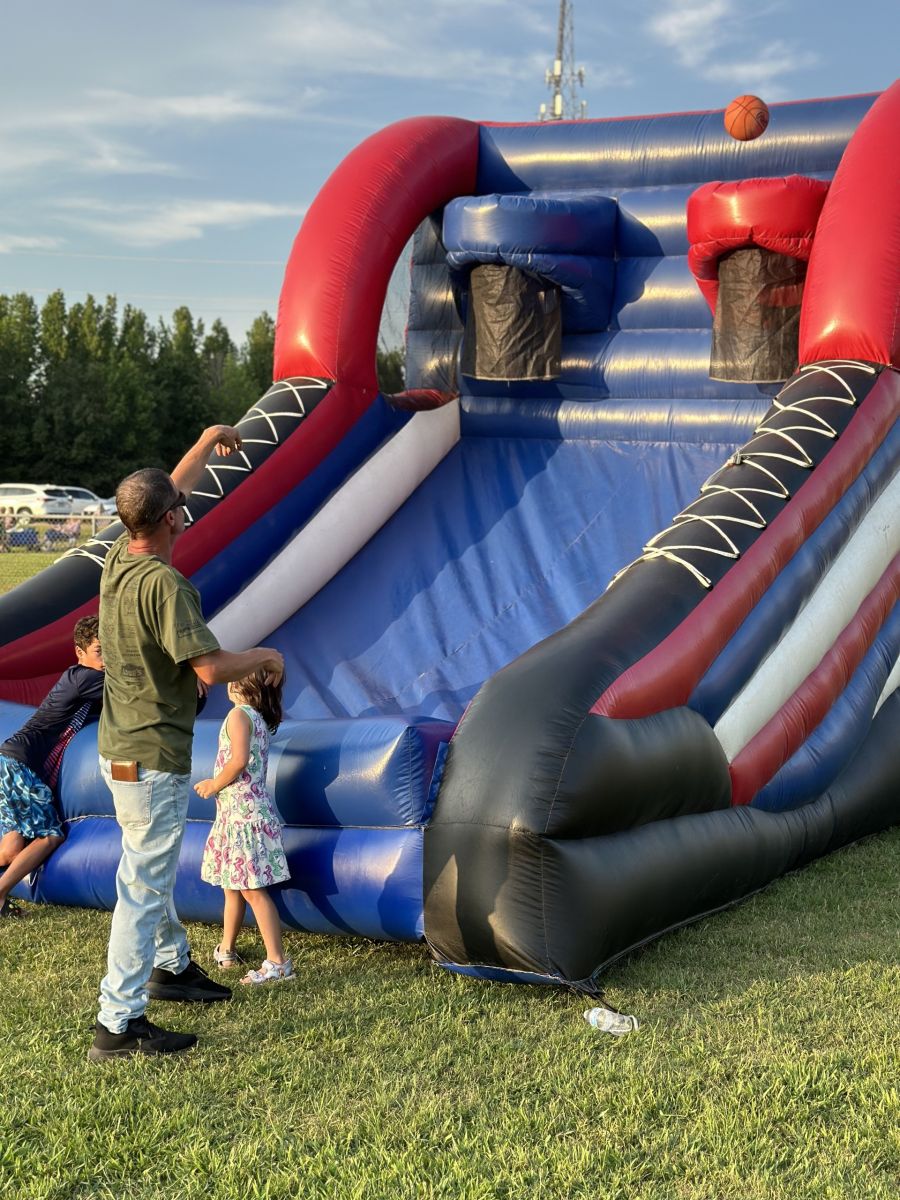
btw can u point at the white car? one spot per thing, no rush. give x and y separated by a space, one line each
107 508
35 500
86 503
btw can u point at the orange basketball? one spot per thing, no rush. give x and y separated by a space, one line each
746 117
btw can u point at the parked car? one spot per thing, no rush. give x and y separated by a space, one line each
86 503
35 499
107 508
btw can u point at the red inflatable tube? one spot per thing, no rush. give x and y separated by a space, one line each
775 214
351 238
850 306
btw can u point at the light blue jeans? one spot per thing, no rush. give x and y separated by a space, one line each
146 932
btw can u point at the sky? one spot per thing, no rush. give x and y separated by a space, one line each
166 153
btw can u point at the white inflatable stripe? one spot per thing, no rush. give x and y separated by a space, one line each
339 529
830 609
893 682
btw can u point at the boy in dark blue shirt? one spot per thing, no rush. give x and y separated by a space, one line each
30 825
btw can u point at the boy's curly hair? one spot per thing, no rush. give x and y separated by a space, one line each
86 631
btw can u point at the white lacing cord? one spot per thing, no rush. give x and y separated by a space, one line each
258 414
85 551
749 457
829 367
651 552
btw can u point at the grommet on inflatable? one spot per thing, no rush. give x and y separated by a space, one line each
594 630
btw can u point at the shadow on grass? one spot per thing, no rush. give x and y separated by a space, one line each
835 914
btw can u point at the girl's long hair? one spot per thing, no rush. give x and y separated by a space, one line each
264 697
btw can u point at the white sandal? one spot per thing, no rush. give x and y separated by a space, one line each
226 960
272 972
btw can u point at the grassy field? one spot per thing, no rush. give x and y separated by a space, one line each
18 565
766 1066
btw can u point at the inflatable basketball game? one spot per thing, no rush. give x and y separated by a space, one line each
592 631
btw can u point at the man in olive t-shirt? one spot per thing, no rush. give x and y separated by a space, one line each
150 615
156 648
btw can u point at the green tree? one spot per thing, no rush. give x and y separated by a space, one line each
258 353
126 437
19 360
52 385
238 393
181 385
78 348
390 371
217 347
231 388
92 336
88 395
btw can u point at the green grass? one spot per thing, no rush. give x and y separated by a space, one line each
18 565
766 1066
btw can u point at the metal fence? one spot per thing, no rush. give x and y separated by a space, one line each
27 543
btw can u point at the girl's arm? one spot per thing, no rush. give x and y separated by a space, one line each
238 725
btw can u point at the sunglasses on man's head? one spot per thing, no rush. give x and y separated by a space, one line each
179 502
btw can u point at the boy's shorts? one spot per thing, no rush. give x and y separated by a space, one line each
26 803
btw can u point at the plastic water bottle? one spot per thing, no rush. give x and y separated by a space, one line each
610 1021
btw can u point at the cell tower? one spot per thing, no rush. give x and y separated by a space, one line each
563 79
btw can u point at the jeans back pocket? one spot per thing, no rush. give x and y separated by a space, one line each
132 803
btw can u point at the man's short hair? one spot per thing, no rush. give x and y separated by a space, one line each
141 499
87 630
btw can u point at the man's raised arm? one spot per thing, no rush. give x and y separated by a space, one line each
224 439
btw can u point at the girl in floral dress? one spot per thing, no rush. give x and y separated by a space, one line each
244 854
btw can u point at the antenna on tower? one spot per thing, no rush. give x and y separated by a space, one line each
563 78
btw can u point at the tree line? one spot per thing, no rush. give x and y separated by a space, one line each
89 393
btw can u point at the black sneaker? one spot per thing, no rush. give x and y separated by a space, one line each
192 983
140 1037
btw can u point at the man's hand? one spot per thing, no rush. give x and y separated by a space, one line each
273 666
225 666
224 438
228 440
205 788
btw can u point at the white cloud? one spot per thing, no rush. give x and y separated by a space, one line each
693 29
701 33
11 242
108 157
107 108
110 107
357 40
765 70
169 221
76 136
91 153
19 158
